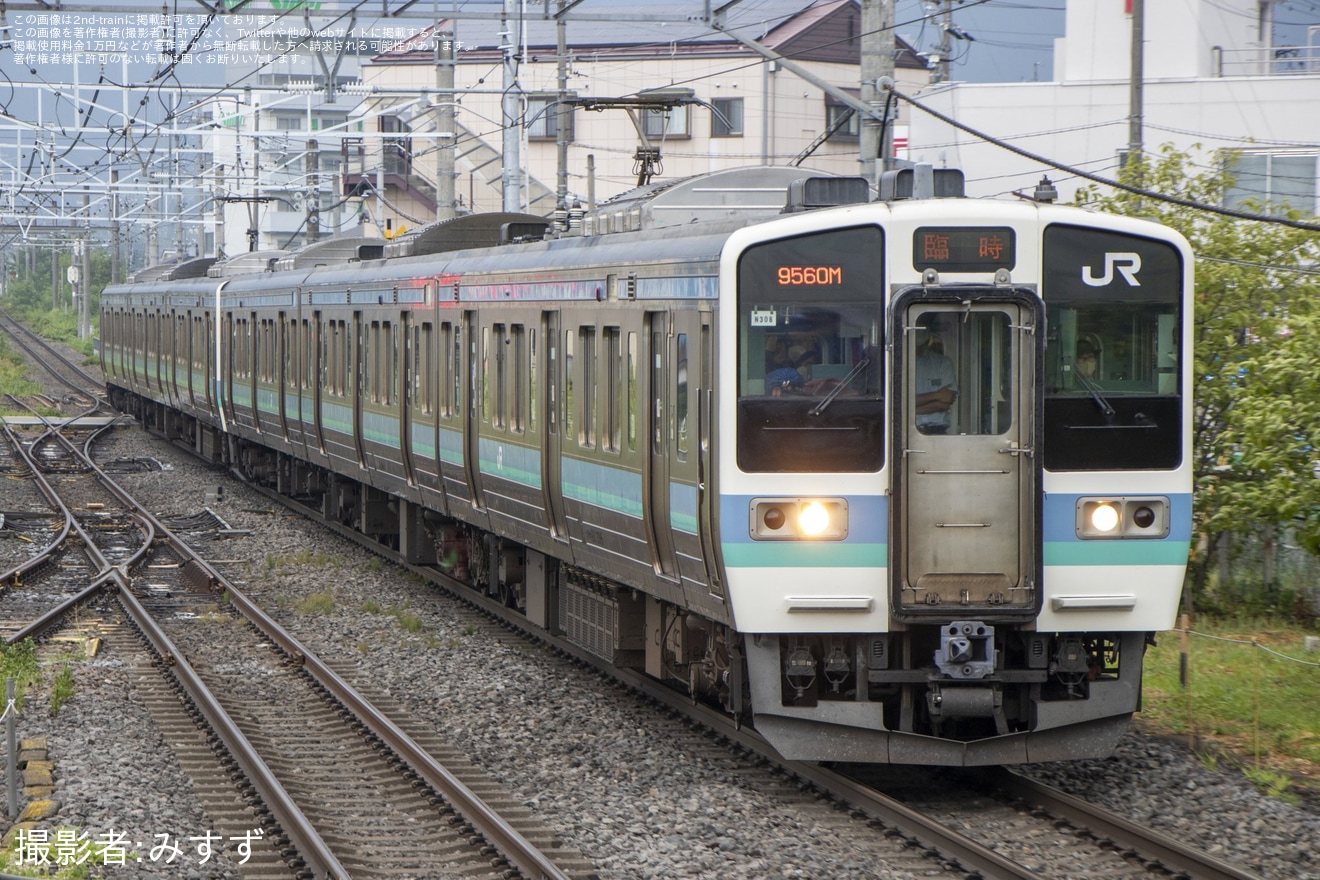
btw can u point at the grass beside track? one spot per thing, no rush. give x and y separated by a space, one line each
13 375
1252 697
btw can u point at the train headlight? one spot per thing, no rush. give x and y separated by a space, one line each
799 519
813 519
1104 518
1123 517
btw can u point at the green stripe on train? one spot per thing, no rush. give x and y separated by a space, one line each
1116 552
805 554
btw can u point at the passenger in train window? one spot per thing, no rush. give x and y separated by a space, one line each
776 354
794 378
1088 359
936 386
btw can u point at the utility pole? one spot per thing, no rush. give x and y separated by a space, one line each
512 101
1136 81
877 60
85 277
114 226
311 161
446 207
562 111
254 209
945 48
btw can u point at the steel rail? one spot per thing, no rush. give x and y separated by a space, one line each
14 574
969 854
290 817
517 850
964 851
1159 848
17 337
286 812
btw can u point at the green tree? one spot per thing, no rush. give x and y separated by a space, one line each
1256 351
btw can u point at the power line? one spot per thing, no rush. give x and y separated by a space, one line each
1096 178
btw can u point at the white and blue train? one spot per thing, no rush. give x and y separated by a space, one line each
902 480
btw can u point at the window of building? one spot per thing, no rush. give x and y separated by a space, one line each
847 120
666 123
1273 182
543 116
726 118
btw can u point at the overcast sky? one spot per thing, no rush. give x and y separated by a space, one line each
1014 39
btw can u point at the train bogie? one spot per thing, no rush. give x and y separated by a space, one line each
903 481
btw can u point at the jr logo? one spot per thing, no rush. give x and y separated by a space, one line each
1127 265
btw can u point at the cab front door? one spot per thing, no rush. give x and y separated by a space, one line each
966 463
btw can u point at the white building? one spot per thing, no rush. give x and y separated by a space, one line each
1212 78
746 110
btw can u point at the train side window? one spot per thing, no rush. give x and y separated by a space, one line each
446 364
340 378
392 363
517 341
499 340
531 379
485 374
289 341
311 351
569 400
681 400
456 372
631 392
328 343
370 349
613 366
421 369
385 364
587 432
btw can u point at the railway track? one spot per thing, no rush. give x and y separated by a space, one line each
332 785
1064 837
83 388
937 836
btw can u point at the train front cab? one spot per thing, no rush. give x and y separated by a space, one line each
961 602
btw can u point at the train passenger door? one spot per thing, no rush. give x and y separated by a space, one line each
967 469
662 431
552 439
703 414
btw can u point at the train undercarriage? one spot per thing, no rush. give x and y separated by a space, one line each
965 691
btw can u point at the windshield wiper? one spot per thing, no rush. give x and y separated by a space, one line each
1100 401
838 389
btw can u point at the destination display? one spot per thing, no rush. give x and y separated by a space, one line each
964 248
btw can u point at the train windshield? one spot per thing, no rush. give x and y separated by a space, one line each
810 393
1113 309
